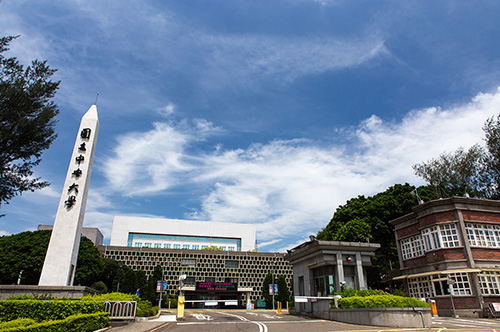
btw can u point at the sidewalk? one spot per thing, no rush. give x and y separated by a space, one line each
144 325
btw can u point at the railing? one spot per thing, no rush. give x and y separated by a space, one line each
121 309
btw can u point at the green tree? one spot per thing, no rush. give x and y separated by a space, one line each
491 178
26 251
363 218
283 291
27 122
127 279
475 172
454 174
141 281
265 290
151 294
108 273
89 264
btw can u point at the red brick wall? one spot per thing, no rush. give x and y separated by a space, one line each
411 230
461 302
436 256
481 216
437 217
486 253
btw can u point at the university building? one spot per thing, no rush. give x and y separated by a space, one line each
449 251
236 272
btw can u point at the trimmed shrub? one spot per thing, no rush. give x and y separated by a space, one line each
380 301
363 292
112 297
145 309
47 310
74 323
16 323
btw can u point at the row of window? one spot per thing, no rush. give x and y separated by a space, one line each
446 236
458 283
177 246
190 238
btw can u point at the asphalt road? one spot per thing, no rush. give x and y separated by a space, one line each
231 321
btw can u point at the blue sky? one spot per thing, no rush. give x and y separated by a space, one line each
265 112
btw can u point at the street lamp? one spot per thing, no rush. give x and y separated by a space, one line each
119 277
450 283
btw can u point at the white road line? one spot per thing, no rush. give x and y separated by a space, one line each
262 326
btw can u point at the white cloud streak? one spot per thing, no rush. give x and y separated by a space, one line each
291 187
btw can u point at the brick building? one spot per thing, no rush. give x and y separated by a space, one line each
449 251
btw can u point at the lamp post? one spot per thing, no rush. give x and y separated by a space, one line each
119 276
450 283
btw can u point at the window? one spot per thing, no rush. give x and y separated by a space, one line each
185 246
231 264
157 245
480 235
209 279
231 280
196 247
230 248
166 246
203 247
138 244
188 262
177 246
223 248
489 282
420 287
441 236
449 235
412 247
148 244
189 281
461 286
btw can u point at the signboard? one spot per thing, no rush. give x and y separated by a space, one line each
261 303
161 286
217 286
273 290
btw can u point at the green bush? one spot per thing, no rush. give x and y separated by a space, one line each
47 310
16 323
145 309
74 323
379 301
363 292
100 287
113 297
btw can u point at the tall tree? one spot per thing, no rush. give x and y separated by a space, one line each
27 121
364 219
455 174
283 291
26 252
491 178
475 172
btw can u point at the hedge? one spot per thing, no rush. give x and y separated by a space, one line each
16 323
380 301
74 323
47 310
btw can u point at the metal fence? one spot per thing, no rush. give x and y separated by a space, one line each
121 309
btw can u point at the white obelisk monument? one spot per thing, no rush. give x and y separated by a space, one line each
60 261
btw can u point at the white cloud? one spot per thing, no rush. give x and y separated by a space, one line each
4 233
292 187
167 110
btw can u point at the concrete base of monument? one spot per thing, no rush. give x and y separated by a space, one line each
7 291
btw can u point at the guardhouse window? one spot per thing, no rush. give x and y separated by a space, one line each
188 262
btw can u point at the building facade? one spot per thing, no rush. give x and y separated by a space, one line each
181 234
92 233
244 271
449 251
321 268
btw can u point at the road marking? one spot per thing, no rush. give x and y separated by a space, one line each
262 326
202 317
